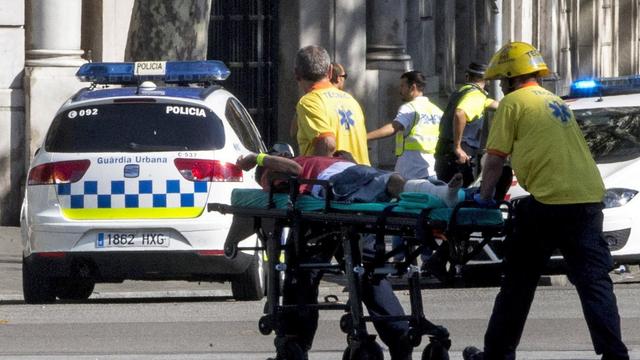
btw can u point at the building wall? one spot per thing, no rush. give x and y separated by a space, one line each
577 38
338 26
12 143
105 26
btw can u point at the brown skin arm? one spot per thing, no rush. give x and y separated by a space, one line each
385 131
491 173
273 163
459 122
324 145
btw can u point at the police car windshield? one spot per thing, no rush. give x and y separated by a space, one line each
613 134
135 127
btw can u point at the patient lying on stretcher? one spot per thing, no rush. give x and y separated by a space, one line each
350 181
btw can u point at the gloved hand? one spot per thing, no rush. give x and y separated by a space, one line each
483 203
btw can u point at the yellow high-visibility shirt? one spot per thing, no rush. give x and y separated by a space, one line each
548 152
327 111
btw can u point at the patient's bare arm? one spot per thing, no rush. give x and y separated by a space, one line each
273 163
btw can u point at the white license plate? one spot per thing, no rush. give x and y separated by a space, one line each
131 239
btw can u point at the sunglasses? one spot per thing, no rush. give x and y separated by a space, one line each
343 76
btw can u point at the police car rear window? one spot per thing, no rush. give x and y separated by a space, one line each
135 127
613 134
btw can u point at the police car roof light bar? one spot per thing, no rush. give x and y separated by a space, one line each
127 73
606 86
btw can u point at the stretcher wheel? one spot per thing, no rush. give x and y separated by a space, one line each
264 325
414 337
346 323
368 350
436 350
288 348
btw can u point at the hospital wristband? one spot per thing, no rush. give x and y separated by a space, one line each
260 159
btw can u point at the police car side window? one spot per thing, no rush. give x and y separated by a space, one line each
241 122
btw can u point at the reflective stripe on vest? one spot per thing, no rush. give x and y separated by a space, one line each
423 135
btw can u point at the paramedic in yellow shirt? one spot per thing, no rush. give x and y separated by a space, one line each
564 212
328 119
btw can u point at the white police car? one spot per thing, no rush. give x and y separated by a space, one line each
608 112
118 190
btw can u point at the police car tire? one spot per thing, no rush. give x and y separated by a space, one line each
36 289
250 285
74 288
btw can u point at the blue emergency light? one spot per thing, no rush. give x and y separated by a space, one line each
585 88
168 71
605 86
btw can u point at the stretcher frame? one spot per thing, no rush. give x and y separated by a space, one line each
417 231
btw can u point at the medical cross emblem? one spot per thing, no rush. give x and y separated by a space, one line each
560 111
345 118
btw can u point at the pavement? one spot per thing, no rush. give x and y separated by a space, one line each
11 293
10 244
11 286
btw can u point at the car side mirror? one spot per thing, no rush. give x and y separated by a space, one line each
281 149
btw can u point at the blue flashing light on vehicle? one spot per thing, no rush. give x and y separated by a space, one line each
605 86
585 84
585 88
126 73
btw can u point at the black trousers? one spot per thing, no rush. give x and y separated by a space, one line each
446 166
377 295
576 230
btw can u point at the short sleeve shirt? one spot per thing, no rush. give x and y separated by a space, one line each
328 111
412 164
548 152
473 104
405 116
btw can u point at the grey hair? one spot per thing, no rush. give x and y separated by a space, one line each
312 63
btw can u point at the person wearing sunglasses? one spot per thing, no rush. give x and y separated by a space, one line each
338 76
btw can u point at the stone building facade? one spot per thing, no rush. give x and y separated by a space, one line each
42 42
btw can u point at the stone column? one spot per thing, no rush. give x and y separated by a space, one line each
421 42
53 57
445 51
54 33
11 110
386 30
386 61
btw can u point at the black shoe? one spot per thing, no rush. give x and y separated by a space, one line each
278 357
472 353
435 266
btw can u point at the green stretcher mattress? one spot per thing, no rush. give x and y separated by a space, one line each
409 203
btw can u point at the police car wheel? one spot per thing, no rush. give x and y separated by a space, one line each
36 288
250 285
74 288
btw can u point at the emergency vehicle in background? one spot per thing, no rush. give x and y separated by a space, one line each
608 112
118 190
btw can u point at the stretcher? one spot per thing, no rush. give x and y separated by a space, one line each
290 224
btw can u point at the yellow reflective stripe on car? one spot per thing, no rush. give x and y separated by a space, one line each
133 213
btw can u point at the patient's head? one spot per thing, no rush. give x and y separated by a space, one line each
345 155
